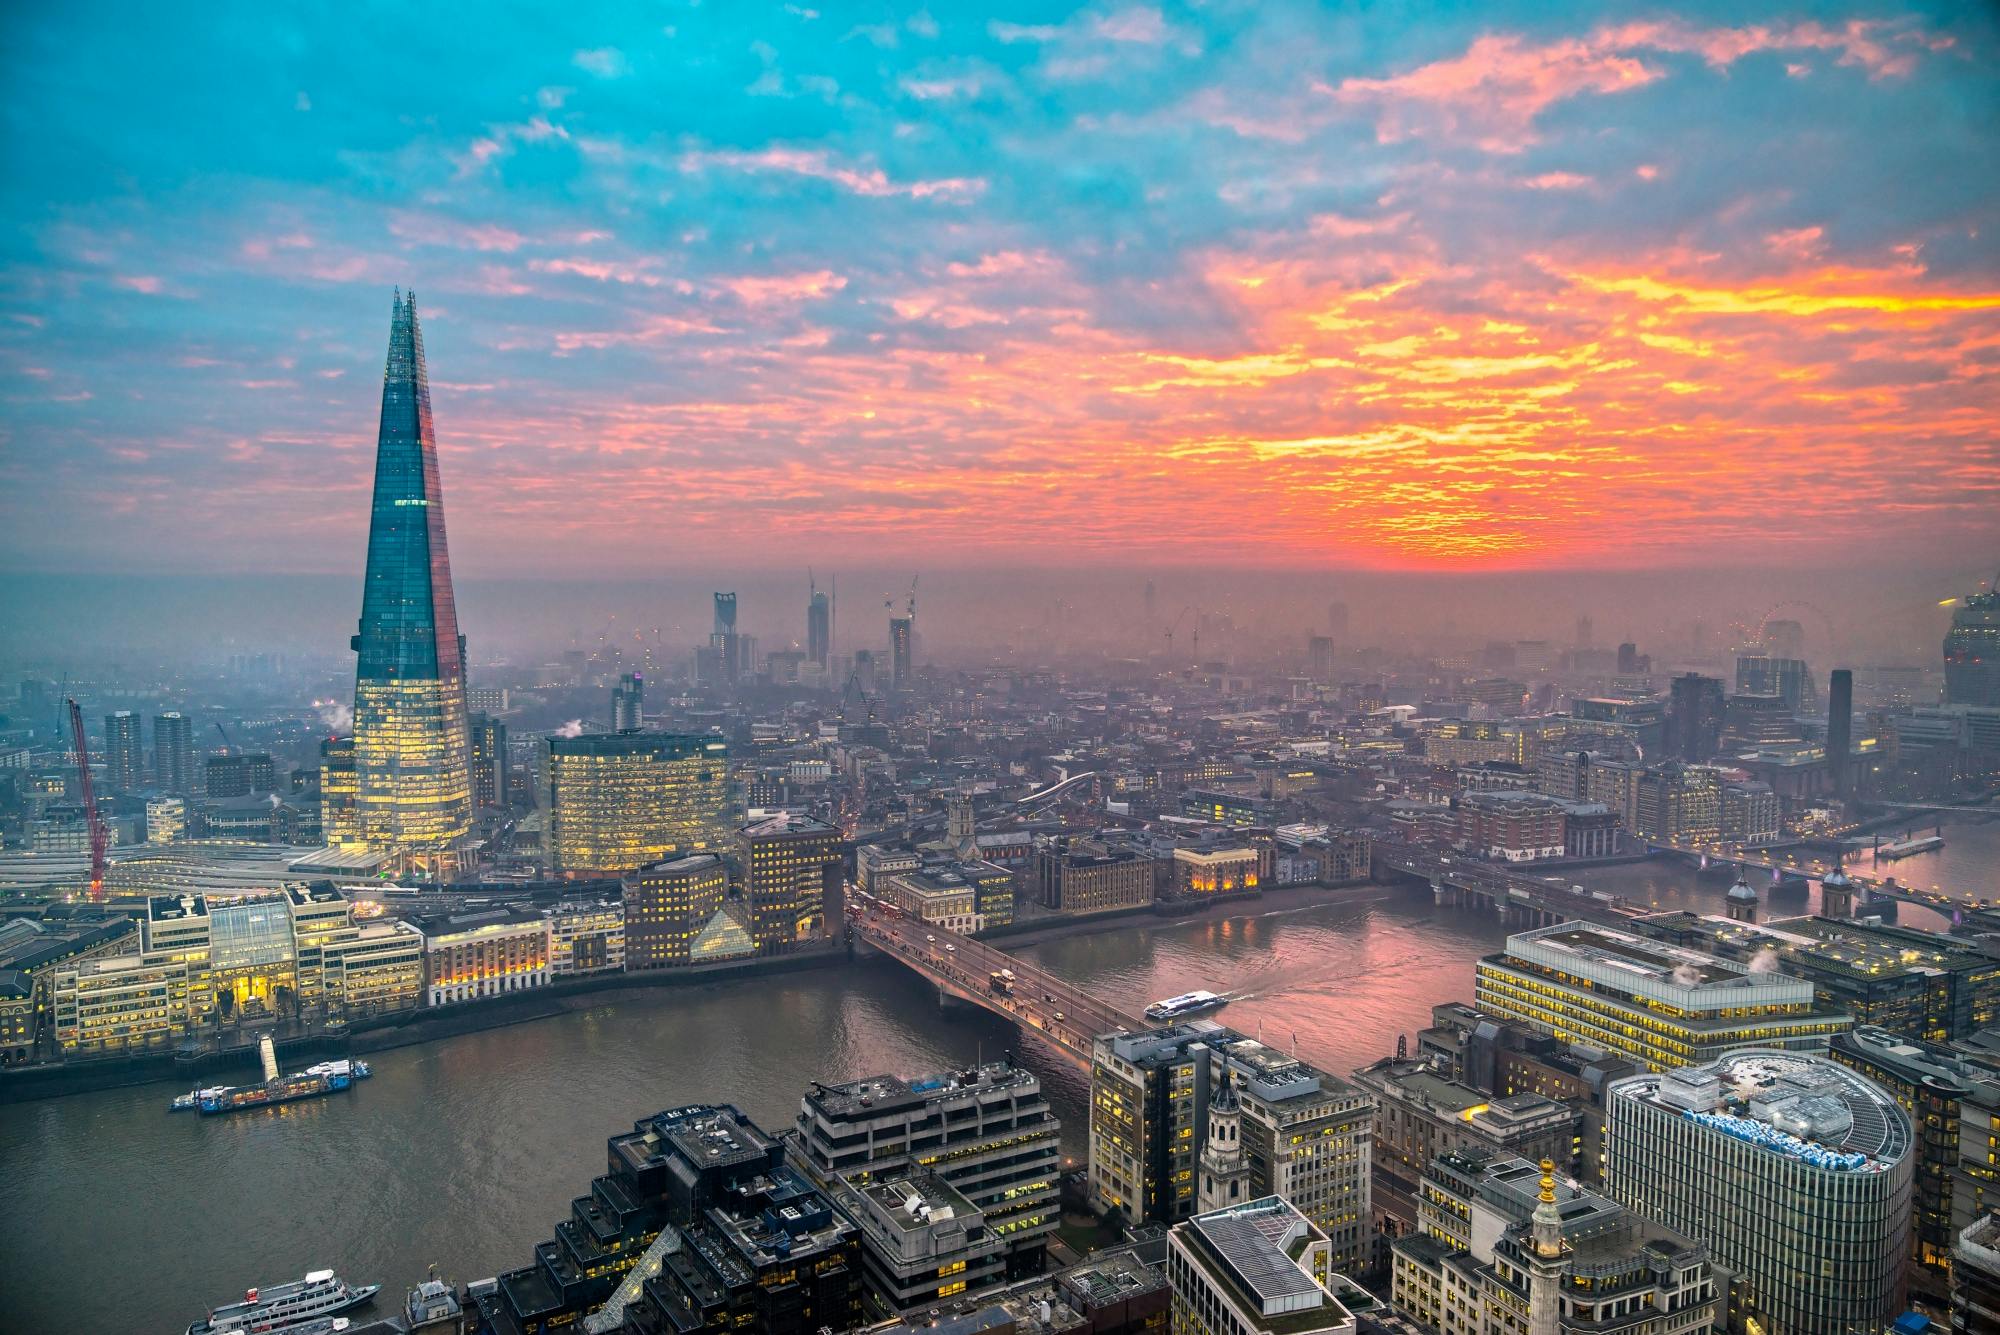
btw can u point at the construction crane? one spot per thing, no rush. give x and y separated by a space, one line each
98 841
225 736
1175 625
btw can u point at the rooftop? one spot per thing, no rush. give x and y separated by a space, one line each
1655 969
1790 1103
1252 1251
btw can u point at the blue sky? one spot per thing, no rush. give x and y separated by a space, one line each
1391 285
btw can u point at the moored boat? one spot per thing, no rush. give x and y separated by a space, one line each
306 1306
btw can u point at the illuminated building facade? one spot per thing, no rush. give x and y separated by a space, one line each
411 750
1657 1004
668 906
473 955
1199 872
618 801
339 794
1796 1173
793 877
586 938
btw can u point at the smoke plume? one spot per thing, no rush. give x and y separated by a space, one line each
573 728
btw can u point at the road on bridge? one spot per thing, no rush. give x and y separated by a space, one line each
1065 1015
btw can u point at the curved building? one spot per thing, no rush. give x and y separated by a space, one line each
1795 1171
412 751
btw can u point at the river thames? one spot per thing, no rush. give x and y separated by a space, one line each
466 1151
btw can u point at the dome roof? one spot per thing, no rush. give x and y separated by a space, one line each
1741 890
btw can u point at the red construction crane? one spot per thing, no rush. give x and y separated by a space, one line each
98 841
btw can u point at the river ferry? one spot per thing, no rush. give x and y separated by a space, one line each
320 1079
293 1308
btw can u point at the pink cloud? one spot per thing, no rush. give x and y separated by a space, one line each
759 290
145 283
1558 181
1493 92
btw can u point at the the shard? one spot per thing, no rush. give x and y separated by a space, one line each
412 755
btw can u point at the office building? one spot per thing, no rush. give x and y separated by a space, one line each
166 820
1925 986
617 801
1260 1268
902 630
1500 1235
124 757
1069 879
1695 710
922 1241
489 763
1790 679
819 629
793 880
628 703
987 1131
674 912
1793 1170
1655 1003
173 754
1422 1112
488 953
1199 872
412 761
1755 722
1506 826
238 775
293 953
1934 1089
1304 1133
586 937
1975 1278
1972 651
1840 728
698 1225
339 794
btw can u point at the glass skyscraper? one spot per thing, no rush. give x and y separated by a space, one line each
412 760
1972 651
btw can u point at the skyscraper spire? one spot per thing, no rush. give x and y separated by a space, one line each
411 755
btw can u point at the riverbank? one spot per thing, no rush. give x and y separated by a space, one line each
567 995
382 1033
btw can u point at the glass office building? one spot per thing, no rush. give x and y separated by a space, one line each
1795 1171
411 754
618 801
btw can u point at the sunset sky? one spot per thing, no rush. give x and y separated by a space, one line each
1395 286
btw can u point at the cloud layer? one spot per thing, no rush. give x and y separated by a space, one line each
1243 283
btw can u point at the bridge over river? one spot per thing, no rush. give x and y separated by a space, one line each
961 967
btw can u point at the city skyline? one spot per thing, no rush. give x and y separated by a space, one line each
1521 289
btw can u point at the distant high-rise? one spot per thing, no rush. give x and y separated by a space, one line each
411 751
900 631
819 628
628 703
1972 651
728 652
489 761
1152 599
124 757
1583 632
1695 712
1788 678
173 753
1840 727
725 614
